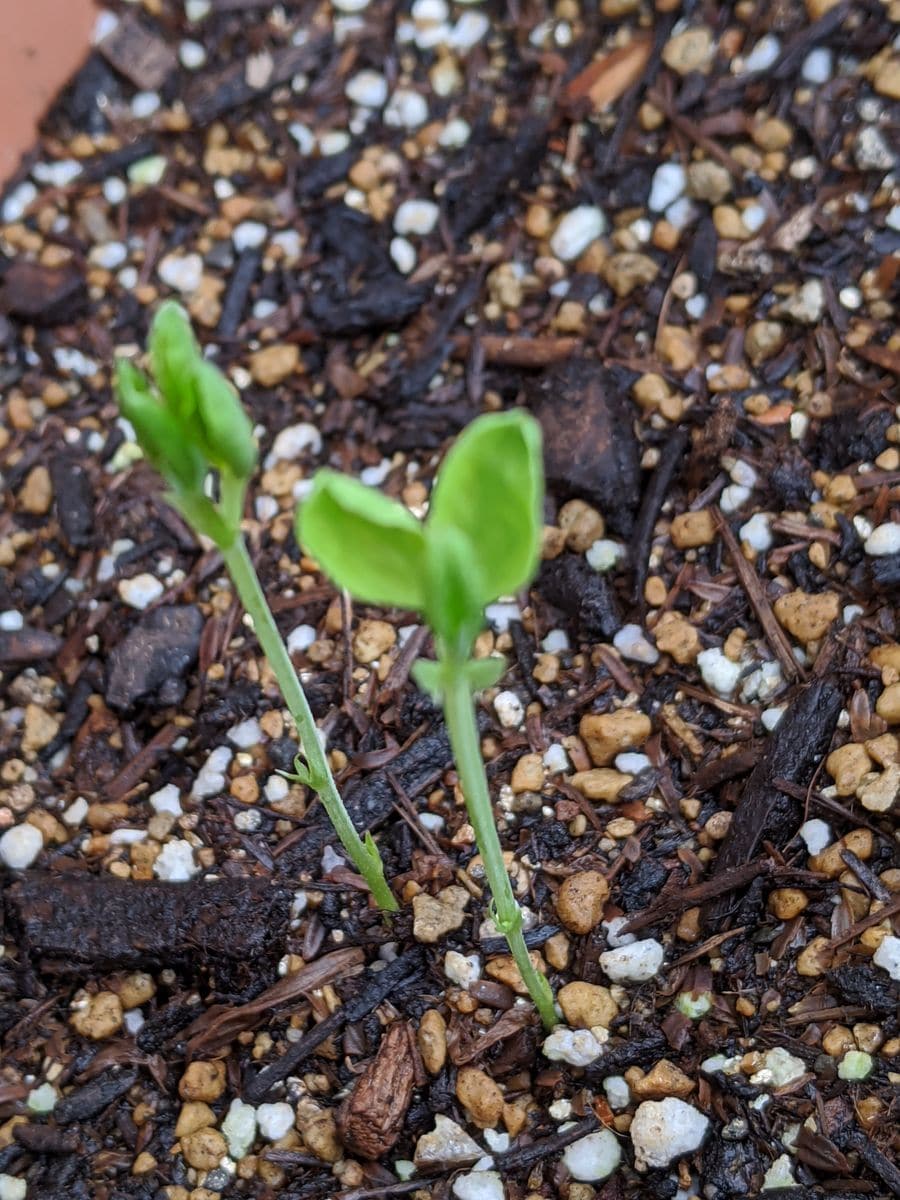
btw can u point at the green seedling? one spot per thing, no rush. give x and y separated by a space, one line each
191 427
481 540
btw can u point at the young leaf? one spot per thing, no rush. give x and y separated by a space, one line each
454 601
490 487
429 677
174 355
158 433
367 543
485 672
227 430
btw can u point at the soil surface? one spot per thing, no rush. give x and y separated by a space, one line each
670 233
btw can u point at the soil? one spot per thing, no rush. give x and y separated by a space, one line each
673 235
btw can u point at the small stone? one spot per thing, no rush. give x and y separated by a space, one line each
817 66
692 529
42 1100
98 1016
528 774
855 1065
273 364
175 862
757 533
504 969
581 524
20 846
587 1005
140 591
847 766
403 255
372 639
816 834
887 79
36 494
627 271
663 1079
872 151
202 1080
432 1041
575 232
601 784
367 88
807 617
577 1047
779 1068
204 1150
884 539
707 180
594 1157
182 273
480 1096
275 1120
807 304
462 969
479 1185
678 347
764 54
13 1187
608 734
887 956
676 636
635 963
668 183
763 340
249 235
787 903
416 217
509 709
580 901
618 1093
879 793
664 1130
779 1175
39 728
888 704
448 1145
718 671
406 109
689 51
631 642
318 1128
436 916
239 1128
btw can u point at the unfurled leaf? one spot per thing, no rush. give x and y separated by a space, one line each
490 488
429 676
454 603
365 542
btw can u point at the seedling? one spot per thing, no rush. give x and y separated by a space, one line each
191 427
481 540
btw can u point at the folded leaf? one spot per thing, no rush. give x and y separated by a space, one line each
454 601
490 487
226 428
158 433
174 355
365 542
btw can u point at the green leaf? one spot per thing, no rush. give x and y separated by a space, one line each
485 672
174 356
454 591
227 430
158 433
490 487
365 542
429 677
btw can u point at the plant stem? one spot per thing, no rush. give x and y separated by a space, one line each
365 857
459 710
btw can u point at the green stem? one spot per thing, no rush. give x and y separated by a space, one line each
459 710
364 854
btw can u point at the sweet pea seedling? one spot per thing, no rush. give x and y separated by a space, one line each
188 425
481 540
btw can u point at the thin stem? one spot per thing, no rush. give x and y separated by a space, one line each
364 854
459 710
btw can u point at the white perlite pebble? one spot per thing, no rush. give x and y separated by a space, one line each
780 1174
16 203
635 963
631 763
455 134
42 1099
462 969
167 800
292 442
416 217
182 272
663 1130
669 182
141 591
593 1157
448 1143
301 638
631 642
576 231
57 174
509 709
556 642
211 776
20 846
239 1128
603 554
556 759
613 929
757 533
500 615
887 956
479 1185
406 109
11 621
855 1064
13 1187
144 104
817 66
718 671
192 55
763 54
469 30
403 255
245 734
733 497
249 235
175 863
368 89
578 1047
884 539
618 1093
275 1120
816 834
779 1068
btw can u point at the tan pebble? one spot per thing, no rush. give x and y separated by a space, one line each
878 793
436 916
840 490
581 899
663 1079
688 927
887 79
884 749
818 8
203 1080
557 950
515 1115
787 903
586 1005
807 617
571 317
608 734
815 958
708 181
480 1097
666 236
143 1164
432 1040
194 1115
888 704
692 529
273 364
718 825
503 968
847 765
763 340
136 989
830 863
581 524
689 51
676 636
99 1018
528 774
36 494
553 542
773 134
546 669
678 347
601 784
729 224
40 728
319 1130
651 391
538 221
838 1040
372 639
868 1036
655 591
204 1150
627 271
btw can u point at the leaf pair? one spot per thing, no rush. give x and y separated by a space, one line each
481 539
194 420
